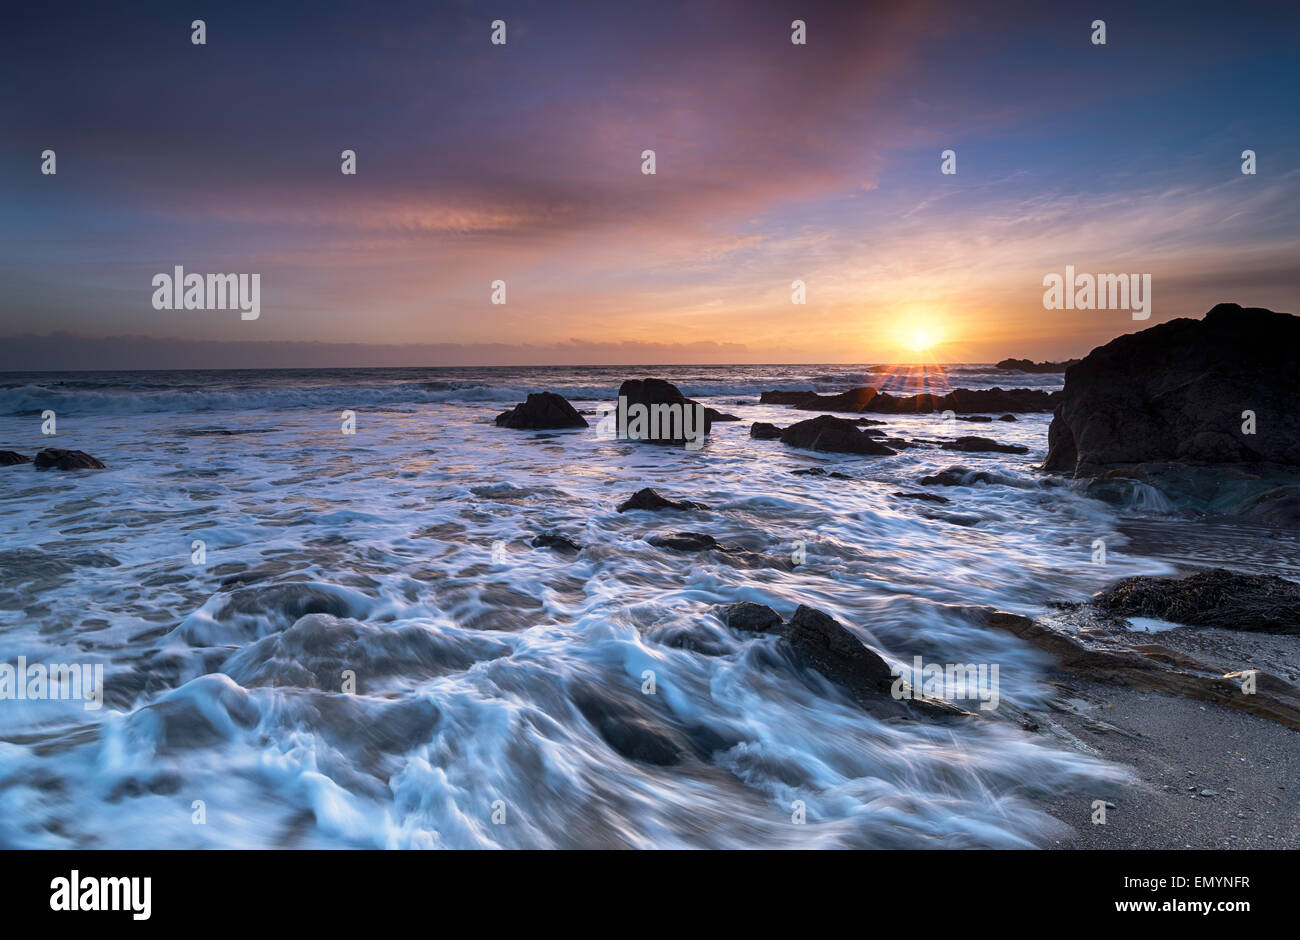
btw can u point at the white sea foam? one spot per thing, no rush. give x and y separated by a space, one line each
486 669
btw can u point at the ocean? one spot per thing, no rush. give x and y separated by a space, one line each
324 640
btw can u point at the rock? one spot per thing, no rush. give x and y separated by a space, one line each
542 410
715 416
1007 417
821 472
557 543
785 398
957 476
824 644
8 458
1028 365
1178 390
983 419
834 435
686 542
927 497
752 618
761 430
981 445
960 401
1151 666
1216 598
656 392
649 500
66 460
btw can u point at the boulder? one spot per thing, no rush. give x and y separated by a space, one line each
1178 392
687 542
957 476
8 458
66 460
655 392
982 445
761 430
834 435
1215 598
542 411
649 500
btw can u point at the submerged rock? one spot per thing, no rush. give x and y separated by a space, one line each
1216 598
833 435
958 476
761 430
651 501
1181 391
926 497
558 543
821 643
821 472
982 445
66 460
542 410
960 401
687 542
8 458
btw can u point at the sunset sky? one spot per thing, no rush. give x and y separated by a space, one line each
522 162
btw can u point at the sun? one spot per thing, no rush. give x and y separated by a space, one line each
919 340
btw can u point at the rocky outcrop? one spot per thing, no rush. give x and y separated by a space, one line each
982 445
762 431
53 457
1028 365
8 458
833 435
542 411
1216 598
651 501
1180 391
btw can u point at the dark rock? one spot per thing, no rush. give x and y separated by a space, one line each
1028 365
631 731
719 416
686 542
957 476
541 411
751 617
835 435
650 500
1178 390
652 392
982 419
824 644
982 445
785 398
557 543
927 497
66 460
1007 417
821 472
763 431
1216 598
959 401
8 458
